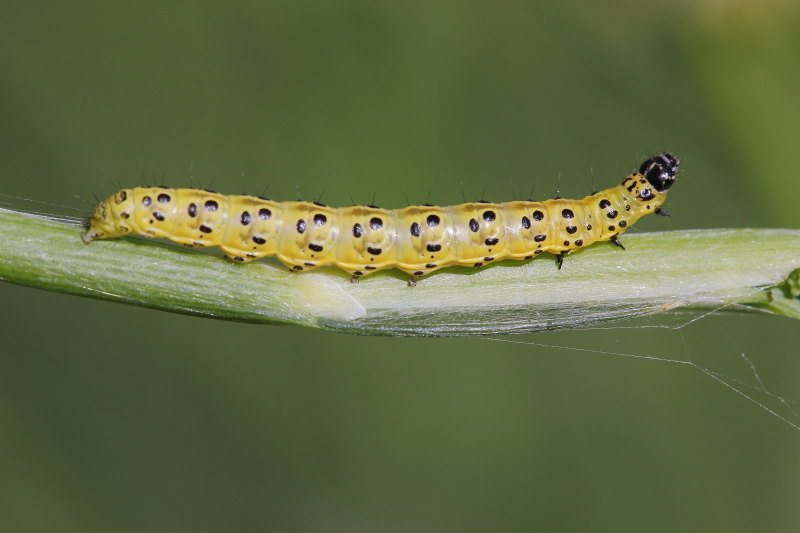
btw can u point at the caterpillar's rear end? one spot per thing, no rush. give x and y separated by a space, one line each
107 220
365 239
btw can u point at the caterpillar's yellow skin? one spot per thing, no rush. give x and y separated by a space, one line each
361 240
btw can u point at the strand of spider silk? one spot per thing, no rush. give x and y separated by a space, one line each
737 386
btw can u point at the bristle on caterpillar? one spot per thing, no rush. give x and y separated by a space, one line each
363 239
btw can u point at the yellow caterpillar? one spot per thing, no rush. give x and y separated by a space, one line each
363 239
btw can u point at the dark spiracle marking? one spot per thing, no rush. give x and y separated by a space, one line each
526 222
315 247
416 230
473 225
146 201
540 237
433 220
192 210
246 218
604 203
646 194
358 231
205 229
264 213
211 205
374 251
492 242
375 223
164 198
301 226
537 215
434 247
320 219
567 213
571 229
489 216
158 216
259 240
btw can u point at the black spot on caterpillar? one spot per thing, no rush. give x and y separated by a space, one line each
364 239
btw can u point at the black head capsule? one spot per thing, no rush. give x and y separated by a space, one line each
660 171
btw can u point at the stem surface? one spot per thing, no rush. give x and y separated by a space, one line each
691 271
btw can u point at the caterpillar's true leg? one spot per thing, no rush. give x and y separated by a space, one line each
659 211
615 240
560 258
354 279
412 281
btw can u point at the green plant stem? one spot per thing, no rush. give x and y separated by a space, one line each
690 271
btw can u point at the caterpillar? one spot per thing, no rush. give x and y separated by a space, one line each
363 239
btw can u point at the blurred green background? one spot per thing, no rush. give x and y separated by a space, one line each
115 418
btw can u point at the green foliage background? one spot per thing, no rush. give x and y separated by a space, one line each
115 418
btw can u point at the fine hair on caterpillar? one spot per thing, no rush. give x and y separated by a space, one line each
363 239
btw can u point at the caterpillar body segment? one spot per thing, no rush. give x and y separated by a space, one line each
364 239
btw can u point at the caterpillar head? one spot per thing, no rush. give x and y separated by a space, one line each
105 222
648 187
660 171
